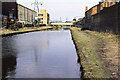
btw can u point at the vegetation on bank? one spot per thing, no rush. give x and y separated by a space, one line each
102 51
24 29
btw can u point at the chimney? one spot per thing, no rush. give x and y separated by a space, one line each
86 8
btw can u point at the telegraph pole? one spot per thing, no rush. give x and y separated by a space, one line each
36 5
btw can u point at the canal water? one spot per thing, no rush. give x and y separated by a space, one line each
48 54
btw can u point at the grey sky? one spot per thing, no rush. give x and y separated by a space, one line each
66 9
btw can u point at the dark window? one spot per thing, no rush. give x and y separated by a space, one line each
40 14
40 19
111 3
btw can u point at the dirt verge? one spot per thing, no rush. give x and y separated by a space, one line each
102 51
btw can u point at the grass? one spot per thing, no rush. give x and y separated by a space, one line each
95 45
24 29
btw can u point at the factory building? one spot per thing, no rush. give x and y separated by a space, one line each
21 13
43 17
25 14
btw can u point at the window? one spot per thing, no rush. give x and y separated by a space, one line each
39 19
40 14
41 22
111 3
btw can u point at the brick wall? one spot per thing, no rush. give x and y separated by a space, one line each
106 20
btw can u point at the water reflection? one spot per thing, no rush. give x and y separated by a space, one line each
8 58
8 67
50 54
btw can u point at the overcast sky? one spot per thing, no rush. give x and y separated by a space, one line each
66 9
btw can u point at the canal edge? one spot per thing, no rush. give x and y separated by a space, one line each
78 53
15 33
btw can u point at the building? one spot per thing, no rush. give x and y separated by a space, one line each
0 14
103 17
26 15
43 17
19 12
96 10
106 4
99 7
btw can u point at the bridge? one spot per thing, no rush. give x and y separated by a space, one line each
61 23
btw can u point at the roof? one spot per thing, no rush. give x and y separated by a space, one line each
93 7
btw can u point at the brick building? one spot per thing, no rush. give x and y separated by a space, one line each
97 8
103 17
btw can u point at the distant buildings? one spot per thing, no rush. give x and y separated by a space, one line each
43 17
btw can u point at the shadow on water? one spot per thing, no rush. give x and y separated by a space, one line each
81 67
8 66
8 58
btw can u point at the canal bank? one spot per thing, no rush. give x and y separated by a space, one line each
98 53
7 32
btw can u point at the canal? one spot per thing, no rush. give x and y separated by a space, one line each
42 54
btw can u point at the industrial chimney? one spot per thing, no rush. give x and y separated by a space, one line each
86 8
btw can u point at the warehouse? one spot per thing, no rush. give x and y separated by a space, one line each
20 13
26 15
